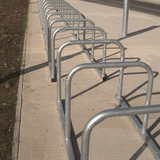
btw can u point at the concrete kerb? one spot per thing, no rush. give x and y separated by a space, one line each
16 133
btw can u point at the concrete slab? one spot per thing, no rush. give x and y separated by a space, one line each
40 134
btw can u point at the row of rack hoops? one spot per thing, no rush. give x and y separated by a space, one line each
75 22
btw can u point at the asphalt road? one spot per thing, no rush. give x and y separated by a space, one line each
140 6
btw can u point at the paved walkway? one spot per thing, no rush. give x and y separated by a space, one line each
40 134
151 1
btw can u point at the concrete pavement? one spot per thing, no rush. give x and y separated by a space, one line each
38 133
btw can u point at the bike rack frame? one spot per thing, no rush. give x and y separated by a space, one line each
90 55
42 7
59 13
64 13
64 9
65 118
100 71
62 20
131 112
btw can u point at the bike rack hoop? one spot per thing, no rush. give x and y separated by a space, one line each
60 14
86 42
96 119
90 55
106 65
65 118
61 20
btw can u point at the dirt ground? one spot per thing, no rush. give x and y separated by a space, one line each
13 17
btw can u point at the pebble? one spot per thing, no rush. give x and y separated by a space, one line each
7 85
3 104
13 68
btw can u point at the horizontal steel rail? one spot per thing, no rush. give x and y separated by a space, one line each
96 119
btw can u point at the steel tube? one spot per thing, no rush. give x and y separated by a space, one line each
73 24
49 41
54 2
71 28
100 65
125 17
46 25
81 42
78 27
56 7
58 13
106 114
92 48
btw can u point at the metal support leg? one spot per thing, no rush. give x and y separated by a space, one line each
125 17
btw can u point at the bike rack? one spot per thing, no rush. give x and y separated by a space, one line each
115 113
59 101
56 6
100 71
60 14
63 20
126 110
41 5
90 55
64 10
69 16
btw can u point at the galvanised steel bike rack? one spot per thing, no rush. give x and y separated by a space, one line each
100 71
42 5
89 55
126 110
63 9
49 41
52 3
131 112
62 14
59 101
